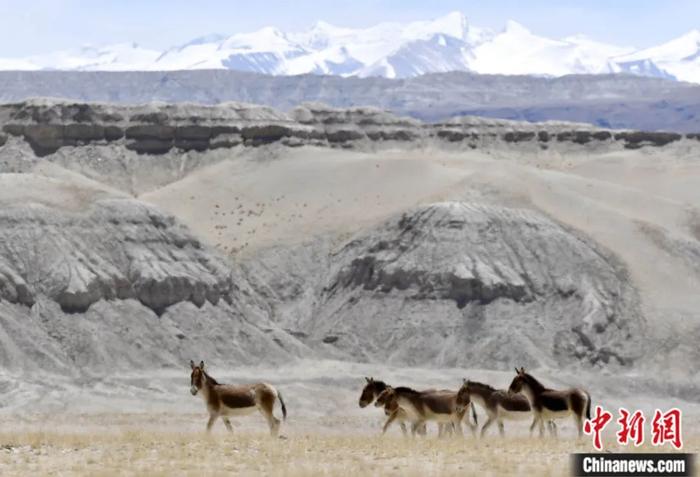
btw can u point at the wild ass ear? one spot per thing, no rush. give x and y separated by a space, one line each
369 380
191 364
517 371
201 365
522 370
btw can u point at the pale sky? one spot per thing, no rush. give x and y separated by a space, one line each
38 26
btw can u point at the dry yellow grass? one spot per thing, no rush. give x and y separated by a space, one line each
131 449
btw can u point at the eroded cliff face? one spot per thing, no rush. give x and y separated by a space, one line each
118 284
450 284
459 284
141 148
119 249
47 126
110 280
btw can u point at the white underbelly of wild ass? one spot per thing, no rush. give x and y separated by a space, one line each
238 411
514 415
429 415
550 415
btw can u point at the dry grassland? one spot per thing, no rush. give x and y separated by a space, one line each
125 448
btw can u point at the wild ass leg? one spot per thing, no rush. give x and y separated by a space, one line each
388 422
541 426
419 428
535 419
403 429
266 403
501 430
552 428
272 422
487 424
228 424
578 420
457 427
210 423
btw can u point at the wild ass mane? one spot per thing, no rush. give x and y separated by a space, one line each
481 386
213 381
406 390
534 383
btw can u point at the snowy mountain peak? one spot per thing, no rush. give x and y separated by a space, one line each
453 24
390 49
514 27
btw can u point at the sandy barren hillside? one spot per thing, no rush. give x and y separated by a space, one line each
341 243
333 224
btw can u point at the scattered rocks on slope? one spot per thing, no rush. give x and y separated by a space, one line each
466 285
119 249
122 285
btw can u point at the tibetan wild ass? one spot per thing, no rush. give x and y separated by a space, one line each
548 404
373 388
226 400
421 406
500 405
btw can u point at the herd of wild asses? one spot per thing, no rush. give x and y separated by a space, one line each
526 397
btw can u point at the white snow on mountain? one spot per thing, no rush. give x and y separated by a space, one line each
679 58
393 50
121 56
516 50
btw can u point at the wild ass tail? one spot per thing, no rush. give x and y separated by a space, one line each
284 408
588 406
476 420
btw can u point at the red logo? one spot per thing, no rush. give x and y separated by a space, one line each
596 425
631 427
666 427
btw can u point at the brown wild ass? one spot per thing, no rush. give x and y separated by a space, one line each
500 405
225 400
371 391
548 404
422 406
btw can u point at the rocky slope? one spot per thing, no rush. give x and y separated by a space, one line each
105 141
370 237
116 285
458 284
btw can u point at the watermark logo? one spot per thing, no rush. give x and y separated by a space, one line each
665 427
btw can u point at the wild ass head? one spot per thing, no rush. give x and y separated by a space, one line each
197 378
370 391
463 396
388 399
520 380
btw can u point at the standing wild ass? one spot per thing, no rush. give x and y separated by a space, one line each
548 404
500 405
422 406
371 391
225 400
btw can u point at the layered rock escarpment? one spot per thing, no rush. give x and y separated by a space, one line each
156 129
463 284
120 285
452 283
120 249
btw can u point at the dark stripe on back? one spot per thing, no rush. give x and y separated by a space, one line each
511 402
236 400
554 403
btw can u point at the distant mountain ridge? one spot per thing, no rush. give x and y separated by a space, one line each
390 50
609 101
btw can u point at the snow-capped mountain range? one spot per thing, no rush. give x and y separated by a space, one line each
391 50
